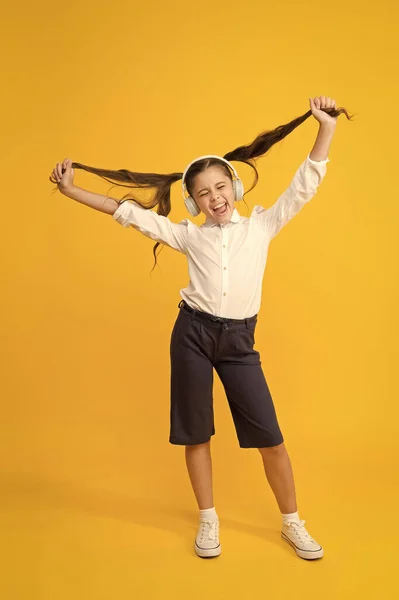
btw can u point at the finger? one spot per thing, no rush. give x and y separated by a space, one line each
322 101
317 103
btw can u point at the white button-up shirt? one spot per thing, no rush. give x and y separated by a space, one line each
226 262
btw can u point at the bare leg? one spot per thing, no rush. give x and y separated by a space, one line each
279 474
199 465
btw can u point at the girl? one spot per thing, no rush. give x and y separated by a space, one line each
215 326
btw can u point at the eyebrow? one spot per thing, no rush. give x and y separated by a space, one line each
199 191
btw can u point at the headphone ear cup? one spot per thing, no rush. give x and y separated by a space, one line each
192 206
238 188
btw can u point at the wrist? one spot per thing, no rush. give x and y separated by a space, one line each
68 191
328 125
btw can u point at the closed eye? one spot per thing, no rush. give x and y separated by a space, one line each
219 188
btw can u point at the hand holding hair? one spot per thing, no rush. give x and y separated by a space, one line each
323 109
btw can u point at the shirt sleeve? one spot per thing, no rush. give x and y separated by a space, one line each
151 224
300 191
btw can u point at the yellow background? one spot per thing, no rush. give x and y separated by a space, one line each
96 503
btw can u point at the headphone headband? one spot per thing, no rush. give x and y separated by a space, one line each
200 158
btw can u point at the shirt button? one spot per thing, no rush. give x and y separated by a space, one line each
224 294
225 268
224 245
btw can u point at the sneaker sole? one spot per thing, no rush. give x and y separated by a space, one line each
306 554
207 552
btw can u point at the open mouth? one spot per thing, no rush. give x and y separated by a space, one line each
221 210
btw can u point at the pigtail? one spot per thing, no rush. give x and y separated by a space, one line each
162 183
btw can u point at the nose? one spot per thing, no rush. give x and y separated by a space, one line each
215 196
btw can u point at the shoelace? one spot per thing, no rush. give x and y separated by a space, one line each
301 531
210 528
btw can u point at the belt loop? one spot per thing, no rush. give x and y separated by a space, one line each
180 303
247 323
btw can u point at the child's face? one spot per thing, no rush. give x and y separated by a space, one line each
212 188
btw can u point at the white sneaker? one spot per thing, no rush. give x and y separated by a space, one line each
207 541
299 538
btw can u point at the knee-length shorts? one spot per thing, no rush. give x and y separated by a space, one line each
199 343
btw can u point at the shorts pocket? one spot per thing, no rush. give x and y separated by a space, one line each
247 335
181 326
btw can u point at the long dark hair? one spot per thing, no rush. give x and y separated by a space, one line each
163 182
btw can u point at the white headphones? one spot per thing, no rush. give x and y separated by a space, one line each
190 203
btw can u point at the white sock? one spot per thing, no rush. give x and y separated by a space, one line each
290 517
208 513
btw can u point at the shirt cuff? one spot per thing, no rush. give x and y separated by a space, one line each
318 162
122 214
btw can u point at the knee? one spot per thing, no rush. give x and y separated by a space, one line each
272 451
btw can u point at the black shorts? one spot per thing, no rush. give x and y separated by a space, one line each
199 343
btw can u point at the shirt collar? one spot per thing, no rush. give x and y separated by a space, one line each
235 218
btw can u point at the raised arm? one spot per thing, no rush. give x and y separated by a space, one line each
302 188
148 222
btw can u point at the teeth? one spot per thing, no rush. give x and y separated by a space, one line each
219 205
